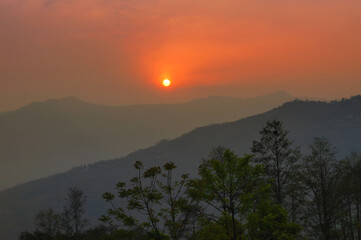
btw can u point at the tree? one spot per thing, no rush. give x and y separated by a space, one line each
236 200
161 200
47 226
66 225
48 223
320 178
226 187
73 221
269 221
349 192
278 156
211 230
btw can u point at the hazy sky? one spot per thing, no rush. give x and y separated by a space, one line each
118 51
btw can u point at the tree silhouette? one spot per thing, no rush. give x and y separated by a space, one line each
320 176
155 203
276 153
73 221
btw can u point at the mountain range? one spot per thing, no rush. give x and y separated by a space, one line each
339 121
50 137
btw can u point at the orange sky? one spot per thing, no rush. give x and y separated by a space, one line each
119 51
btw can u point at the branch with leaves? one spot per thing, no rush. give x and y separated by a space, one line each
154 203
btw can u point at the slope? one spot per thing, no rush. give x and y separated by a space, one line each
49 137
339 121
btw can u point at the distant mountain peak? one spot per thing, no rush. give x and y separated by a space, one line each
66 100
212 98
280 93
273 95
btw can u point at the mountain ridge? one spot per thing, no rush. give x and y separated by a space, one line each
339 121
59 134
77 100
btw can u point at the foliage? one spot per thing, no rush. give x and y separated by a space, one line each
320 177
349 197
275 152
157 198
236 199
66 225
48 223
211 230
73 221
225 188
269 221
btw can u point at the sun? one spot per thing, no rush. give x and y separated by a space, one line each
166 82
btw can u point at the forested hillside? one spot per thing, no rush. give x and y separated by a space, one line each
338 121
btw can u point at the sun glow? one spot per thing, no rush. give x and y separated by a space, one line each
166 82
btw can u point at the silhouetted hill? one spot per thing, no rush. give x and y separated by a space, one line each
45 138
339 121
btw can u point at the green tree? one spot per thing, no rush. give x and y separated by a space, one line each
226 188
211 230
162 202
269 220
236 201
276 153
349 192
320 177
